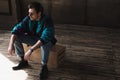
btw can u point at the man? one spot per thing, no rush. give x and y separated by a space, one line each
36 30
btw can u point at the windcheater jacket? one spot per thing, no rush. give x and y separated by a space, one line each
45 34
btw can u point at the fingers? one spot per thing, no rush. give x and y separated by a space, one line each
27 55
26 58
11 50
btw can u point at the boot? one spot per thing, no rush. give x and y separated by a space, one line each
44 72
22 64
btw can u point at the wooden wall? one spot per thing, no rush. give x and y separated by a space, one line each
103 13
8 13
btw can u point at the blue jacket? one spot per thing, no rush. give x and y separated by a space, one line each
45 34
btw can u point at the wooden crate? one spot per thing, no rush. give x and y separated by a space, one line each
56 56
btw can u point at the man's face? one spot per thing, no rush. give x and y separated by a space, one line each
33 14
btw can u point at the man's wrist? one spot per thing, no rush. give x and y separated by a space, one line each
31 49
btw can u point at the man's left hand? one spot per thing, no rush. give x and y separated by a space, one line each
27 55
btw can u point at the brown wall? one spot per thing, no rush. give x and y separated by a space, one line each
73 12
103 12
62 11
82 12
8 14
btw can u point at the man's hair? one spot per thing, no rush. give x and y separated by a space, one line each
37 6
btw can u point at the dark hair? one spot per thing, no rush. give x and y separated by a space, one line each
37 6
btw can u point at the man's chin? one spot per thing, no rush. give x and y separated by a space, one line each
31 19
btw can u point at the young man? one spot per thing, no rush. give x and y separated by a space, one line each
36 30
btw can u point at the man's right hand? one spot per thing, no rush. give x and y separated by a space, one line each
11 50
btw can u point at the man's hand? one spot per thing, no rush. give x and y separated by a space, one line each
11 50
27 55
29 52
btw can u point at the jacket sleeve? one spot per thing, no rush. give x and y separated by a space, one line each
21 27
48 31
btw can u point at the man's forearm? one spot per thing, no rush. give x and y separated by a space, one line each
12 39
36 45
11 44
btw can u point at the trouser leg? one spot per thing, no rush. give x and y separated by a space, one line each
31 40
45 50
19 48
23 39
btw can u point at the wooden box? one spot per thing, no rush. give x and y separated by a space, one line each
56 56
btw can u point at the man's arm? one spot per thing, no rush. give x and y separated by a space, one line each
29 52
11 49
36 45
